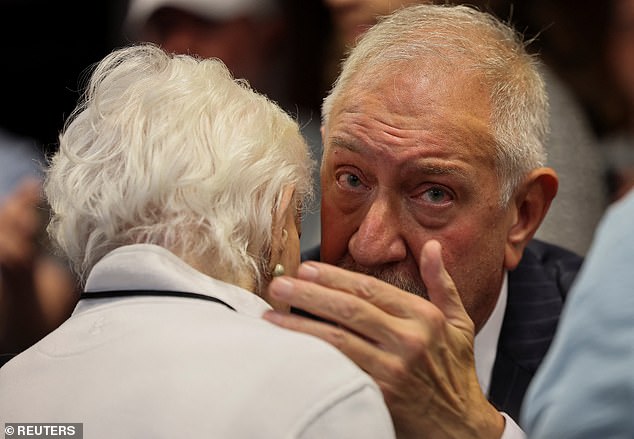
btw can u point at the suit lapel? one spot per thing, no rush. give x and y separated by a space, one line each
535 301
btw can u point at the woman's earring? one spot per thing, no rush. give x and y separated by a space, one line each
278 270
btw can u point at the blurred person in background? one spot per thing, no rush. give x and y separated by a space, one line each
37 290
618 144
40 88
251 37
247 35
585 387
20 158
571 147
176 195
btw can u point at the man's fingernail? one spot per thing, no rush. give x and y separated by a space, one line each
307 271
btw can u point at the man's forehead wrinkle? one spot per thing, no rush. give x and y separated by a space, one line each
406 118
395 123
476 131
382 129
455 133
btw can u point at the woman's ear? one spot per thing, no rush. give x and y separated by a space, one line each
278 232
531 204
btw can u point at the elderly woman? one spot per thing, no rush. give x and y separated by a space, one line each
175 194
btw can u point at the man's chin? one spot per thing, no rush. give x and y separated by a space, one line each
392 276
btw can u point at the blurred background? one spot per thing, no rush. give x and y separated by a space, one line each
47 47
290 50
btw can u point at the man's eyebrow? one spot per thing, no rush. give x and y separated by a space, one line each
430 169
344 143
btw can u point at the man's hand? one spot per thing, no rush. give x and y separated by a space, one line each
419 352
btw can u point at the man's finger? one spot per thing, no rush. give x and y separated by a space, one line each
381 294
364 353
339 337
346 310
440 287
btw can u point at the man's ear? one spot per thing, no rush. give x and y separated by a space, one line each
279 221
530 204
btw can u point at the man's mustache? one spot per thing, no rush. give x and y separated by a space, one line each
390 275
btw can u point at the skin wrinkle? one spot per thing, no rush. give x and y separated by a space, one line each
425 168
443 163
477 122
410 134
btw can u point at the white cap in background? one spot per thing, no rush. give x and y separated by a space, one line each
219 10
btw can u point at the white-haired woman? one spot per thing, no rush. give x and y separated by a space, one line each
176 193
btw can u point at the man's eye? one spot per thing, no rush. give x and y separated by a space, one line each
348 180
437 195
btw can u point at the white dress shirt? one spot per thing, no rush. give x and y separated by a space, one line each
485 349
132 367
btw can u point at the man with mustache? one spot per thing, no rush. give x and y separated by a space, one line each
433 183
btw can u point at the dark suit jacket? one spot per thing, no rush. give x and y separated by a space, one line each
537 289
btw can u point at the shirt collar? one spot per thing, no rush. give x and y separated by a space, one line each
486 340
151 267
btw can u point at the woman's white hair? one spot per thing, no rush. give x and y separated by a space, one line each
461 37
171 150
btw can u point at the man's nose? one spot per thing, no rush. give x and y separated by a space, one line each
379 240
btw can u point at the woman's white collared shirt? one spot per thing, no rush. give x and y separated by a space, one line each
133 367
